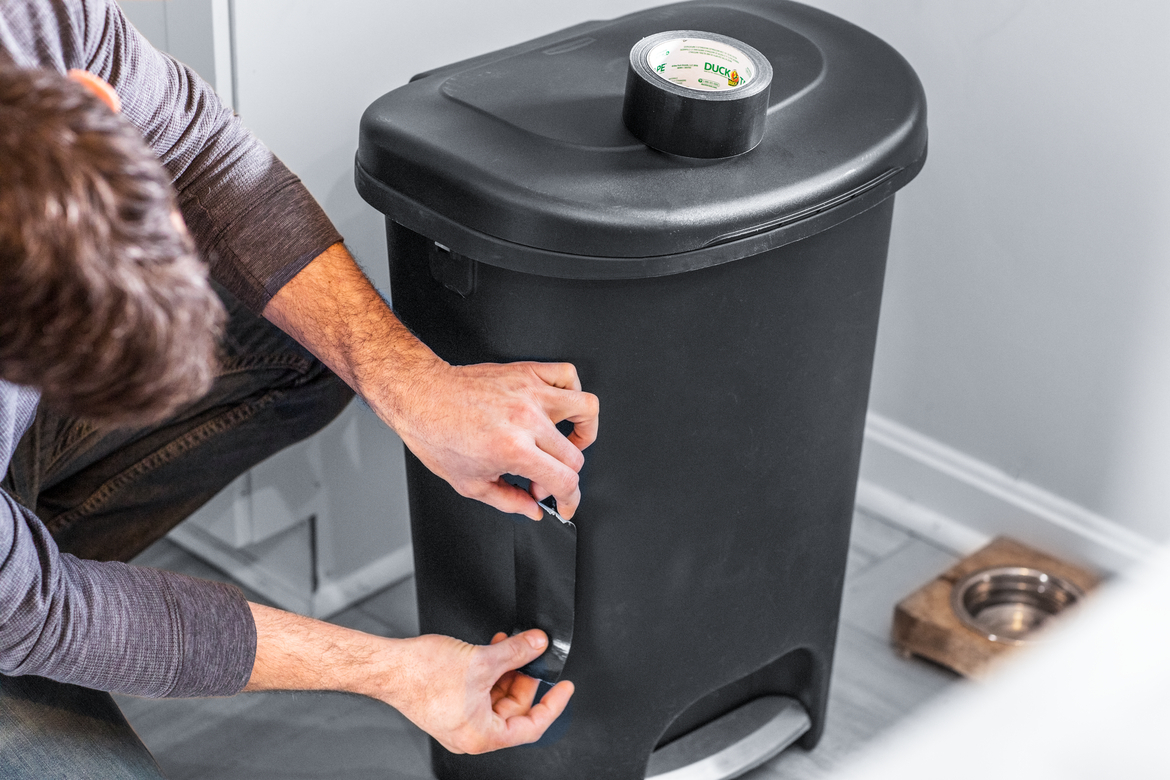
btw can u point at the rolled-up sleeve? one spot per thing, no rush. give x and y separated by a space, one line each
252 218
115 627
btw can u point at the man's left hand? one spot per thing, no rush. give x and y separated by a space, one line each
471 699
468 697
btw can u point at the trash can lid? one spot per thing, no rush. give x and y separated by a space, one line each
520 158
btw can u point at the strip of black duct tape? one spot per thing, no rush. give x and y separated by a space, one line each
546 580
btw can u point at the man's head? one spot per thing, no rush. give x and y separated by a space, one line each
103 304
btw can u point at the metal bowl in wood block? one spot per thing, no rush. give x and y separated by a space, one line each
985 605
1010 604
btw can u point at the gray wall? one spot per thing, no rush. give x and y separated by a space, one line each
1027 304
1026 313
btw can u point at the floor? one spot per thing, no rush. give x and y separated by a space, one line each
326 735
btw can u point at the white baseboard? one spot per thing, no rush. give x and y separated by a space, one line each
960 503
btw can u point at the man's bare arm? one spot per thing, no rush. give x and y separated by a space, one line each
468 697
468 424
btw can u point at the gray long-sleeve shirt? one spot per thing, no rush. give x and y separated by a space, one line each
108 625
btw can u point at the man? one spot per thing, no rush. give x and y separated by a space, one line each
107 317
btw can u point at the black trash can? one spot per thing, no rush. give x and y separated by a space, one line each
724 311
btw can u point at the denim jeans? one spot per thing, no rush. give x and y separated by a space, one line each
108 494
53 731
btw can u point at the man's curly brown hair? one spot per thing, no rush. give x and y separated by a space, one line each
104 305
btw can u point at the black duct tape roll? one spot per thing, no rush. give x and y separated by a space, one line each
697 94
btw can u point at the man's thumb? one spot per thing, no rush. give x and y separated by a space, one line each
515 651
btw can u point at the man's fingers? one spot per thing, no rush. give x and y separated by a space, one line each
583 435
504 684
503 688
512 653
557 474
507 498
562 375
550 477
567 503
525 728
553 704
562 449
517 698
571 404
579 408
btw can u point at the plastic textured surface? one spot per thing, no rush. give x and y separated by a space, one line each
527 146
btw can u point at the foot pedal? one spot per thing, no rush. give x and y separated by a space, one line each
732 744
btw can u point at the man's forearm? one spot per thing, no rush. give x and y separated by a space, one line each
332 309
468 424
295 653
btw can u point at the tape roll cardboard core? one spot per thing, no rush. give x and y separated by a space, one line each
701 64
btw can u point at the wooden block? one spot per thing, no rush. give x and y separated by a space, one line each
925 624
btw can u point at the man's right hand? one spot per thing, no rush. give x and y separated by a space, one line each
473 424
468 424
